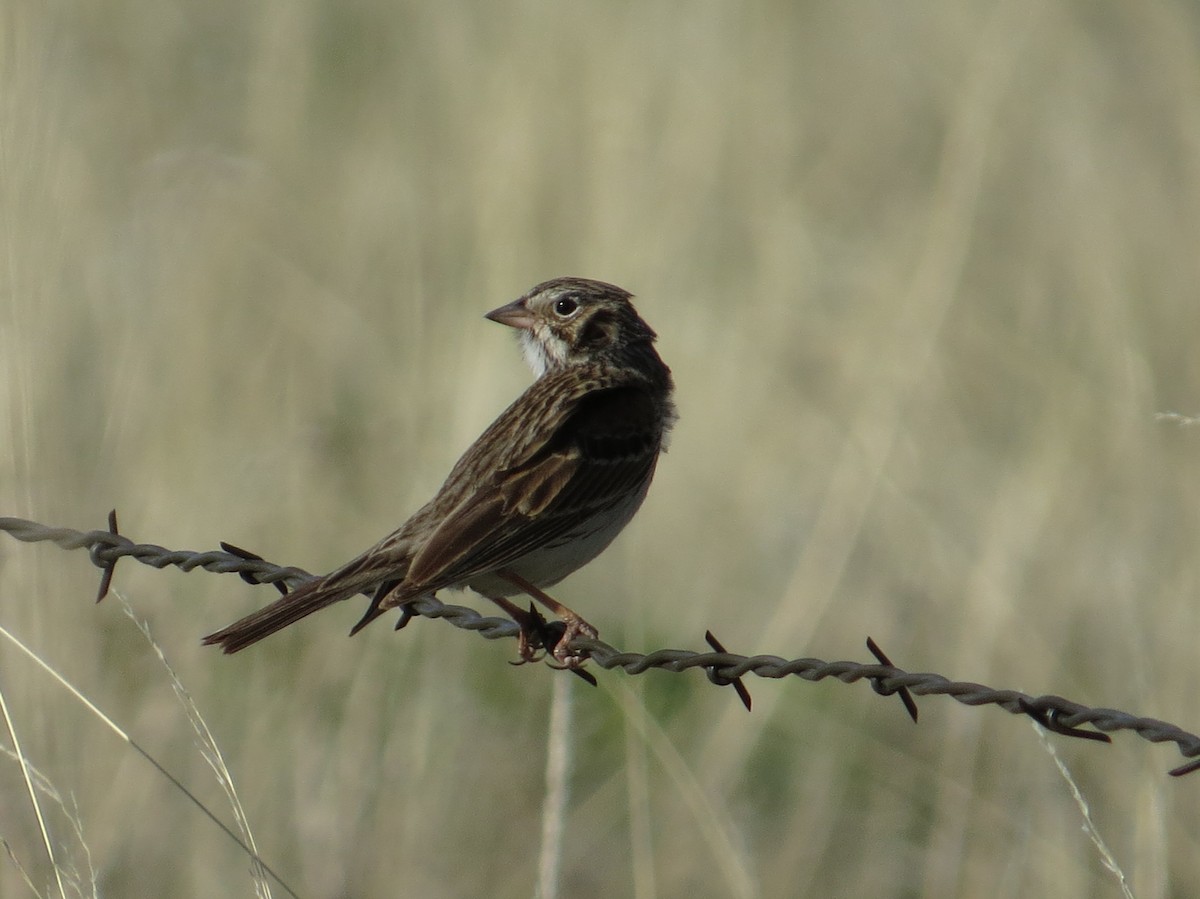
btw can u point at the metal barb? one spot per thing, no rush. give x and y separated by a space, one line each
247 576
1193 765
714 674
1050 717
106 567
880 686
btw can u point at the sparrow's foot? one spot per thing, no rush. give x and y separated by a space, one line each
572 626
571 623
536 633
538 636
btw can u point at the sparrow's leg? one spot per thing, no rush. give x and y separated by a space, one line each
573 625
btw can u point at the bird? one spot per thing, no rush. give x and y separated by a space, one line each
541 492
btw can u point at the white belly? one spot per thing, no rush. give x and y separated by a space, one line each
549 564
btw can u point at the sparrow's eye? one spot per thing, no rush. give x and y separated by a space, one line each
565 307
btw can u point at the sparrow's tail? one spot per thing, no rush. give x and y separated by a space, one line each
300 603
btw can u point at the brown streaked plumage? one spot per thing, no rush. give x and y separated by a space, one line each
541 492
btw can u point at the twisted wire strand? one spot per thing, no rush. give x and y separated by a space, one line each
1056 713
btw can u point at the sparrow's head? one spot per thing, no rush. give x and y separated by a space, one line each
567 321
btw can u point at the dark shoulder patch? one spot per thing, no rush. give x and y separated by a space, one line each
614 424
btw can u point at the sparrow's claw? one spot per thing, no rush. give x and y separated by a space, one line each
529 648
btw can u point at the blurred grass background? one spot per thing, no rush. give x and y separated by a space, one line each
925 273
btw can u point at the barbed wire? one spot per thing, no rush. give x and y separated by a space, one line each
1055 713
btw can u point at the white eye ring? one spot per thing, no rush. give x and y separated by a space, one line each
565 307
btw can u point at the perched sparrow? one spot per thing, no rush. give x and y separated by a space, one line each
542 491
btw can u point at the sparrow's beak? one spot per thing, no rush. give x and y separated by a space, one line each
515 315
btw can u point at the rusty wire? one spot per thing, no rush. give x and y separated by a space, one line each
1055 713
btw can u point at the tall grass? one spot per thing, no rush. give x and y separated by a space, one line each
925 274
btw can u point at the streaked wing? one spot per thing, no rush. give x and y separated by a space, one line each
605 449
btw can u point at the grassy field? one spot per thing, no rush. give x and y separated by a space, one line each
927 275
